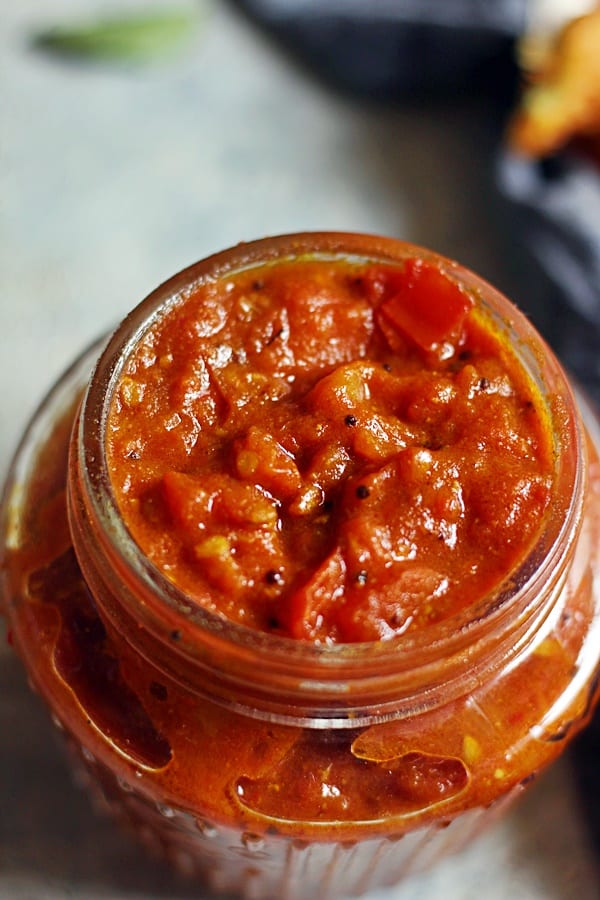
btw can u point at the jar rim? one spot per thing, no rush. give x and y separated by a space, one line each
334 666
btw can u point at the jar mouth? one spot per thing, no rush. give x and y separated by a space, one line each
167 611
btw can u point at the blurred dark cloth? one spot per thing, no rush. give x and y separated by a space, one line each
555 205
407 49
392 47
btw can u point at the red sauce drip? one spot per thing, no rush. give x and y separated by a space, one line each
83 659
329 783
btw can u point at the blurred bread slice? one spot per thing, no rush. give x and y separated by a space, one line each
561 99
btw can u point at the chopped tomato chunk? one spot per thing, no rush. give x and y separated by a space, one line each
427 305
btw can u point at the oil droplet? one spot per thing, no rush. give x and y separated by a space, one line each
208 830
252 842
88 755
167 811
125 786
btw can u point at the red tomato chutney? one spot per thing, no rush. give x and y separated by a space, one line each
330 451
309 578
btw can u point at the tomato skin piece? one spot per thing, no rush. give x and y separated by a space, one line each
261 459
426 306
310 603
197 506
187 504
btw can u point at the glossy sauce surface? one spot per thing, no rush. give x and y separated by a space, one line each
330 451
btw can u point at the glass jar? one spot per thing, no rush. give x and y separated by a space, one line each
221 746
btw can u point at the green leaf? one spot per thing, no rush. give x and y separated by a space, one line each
128 38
